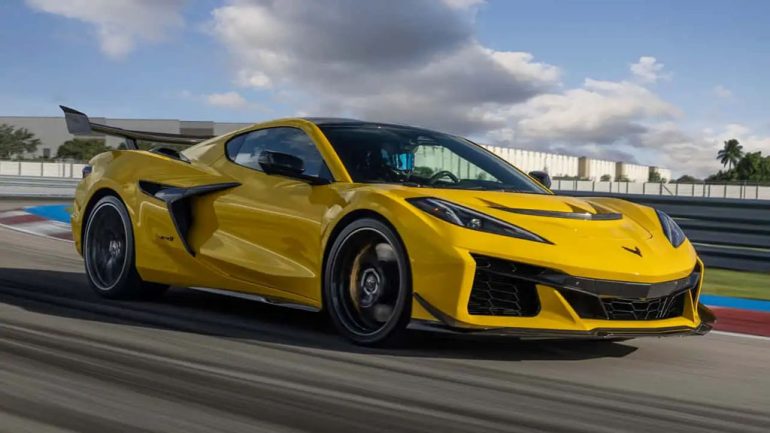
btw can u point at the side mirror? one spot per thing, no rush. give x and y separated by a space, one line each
541 177
281 163
287 165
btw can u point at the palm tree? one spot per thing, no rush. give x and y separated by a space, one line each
731 153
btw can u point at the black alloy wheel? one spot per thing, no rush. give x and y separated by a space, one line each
108 251
367 284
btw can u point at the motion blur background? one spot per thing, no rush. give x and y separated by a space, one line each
660 102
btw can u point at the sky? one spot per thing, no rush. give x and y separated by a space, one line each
657 82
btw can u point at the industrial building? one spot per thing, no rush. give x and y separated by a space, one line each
52 132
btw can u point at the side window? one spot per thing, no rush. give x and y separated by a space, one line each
234 146
245 149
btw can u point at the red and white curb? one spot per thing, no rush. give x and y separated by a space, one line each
23 221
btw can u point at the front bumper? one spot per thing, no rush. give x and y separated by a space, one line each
567 306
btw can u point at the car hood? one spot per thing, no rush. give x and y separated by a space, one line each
558 218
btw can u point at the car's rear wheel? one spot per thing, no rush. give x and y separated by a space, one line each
367 284
108 250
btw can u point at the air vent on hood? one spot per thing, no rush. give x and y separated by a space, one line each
599 216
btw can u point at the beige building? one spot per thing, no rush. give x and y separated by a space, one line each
665 174
595 169
52 131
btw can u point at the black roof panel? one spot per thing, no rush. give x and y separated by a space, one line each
340 121
332 120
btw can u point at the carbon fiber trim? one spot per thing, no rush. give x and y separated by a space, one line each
591 286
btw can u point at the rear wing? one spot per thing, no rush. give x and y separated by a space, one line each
79 124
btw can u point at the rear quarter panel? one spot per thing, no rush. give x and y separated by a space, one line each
160 255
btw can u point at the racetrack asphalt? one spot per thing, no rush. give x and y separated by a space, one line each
197 362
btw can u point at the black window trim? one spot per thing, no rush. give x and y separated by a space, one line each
325 167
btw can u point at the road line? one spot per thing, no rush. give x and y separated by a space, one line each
29 232
737 334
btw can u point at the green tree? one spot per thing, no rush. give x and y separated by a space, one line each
753 166
605 178
81 149
654 177
15 142
730 154
723 176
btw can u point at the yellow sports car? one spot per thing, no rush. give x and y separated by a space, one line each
382 226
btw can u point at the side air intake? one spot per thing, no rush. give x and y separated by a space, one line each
177 201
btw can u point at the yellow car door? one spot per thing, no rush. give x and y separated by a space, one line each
268 230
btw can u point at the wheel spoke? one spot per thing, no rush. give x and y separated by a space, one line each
385 252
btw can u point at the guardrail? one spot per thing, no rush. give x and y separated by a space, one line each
727 233
707 190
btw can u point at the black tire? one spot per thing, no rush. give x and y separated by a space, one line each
368 284
108 252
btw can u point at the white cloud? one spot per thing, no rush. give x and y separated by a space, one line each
412 61
751 140
231 100
463 4
695 152
419 62
647 69
119 24
602 112
722 92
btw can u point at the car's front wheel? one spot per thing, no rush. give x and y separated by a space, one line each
367 284
108 251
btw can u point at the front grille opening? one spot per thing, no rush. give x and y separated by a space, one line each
499 290
593 307
664 307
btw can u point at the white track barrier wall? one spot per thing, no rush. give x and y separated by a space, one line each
41 169
557 165
749 192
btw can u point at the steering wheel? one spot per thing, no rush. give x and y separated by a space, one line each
443 173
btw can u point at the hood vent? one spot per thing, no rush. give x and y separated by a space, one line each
601 215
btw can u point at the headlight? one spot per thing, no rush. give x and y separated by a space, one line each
672 230
469 218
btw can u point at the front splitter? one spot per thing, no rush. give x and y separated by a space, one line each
446 323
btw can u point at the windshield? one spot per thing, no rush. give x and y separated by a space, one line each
416 157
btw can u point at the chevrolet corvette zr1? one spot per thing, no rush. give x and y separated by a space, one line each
381 226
